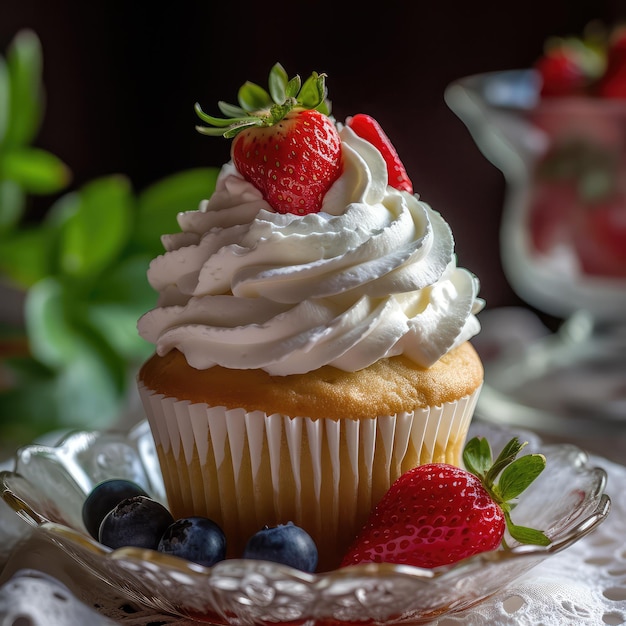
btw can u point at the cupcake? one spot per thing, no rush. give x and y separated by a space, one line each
312 329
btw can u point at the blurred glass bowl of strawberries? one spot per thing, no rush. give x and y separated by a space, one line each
579 197
557 131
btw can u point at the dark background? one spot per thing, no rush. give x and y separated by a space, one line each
122 78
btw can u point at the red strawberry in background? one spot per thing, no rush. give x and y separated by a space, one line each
438 514
285 143
600 237
550 214
369 129
570 66
613 82
561 73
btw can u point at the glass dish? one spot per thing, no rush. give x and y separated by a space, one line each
564 164
48 486
546 148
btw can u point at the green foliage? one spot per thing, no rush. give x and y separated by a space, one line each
256 107
23 169
505 479
82 267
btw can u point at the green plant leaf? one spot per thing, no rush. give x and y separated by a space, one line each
88 392
88 370
62 210
36 170
118 322
51 333
117 302
5 98
25 256
96 227
159 204
126 282
24 65
33 398
12 204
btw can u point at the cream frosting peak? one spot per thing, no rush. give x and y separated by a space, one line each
372 275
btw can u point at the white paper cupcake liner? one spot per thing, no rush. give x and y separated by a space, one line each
245 469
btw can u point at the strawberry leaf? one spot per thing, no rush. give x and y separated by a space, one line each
253 97
477 456
278 84
260 108
216 121
526 535
232 129
515 476
519 475
506 457
229 110
293 88
313 93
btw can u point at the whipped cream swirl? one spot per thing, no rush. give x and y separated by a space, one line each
371 276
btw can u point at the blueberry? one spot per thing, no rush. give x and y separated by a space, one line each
286 543
138 521
196 539
104 497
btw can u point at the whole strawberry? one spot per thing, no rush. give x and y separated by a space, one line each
369 129
438 513
561 74
570 66
285 143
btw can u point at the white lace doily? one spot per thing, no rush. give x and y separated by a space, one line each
583 585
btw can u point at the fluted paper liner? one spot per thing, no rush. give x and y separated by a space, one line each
245 469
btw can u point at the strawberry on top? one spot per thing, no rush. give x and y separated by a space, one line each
286 143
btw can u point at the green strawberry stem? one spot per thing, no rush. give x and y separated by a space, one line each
505 479
258 107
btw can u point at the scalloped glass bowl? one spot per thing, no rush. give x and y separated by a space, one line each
564 164
49 485
550 251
